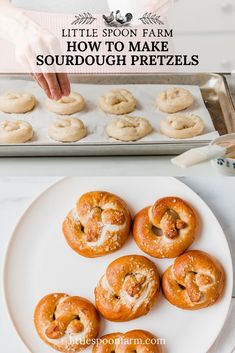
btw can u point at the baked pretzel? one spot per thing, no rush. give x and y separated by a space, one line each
166 229
138 341
99 224
128 289
194 281
66 323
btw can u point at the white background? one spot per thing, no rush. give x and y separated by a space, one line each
17 193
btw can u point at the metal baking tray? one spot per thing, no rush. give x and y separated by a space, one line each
215 92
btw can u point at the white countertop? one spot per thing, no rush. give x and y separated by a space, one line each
115 166
17 193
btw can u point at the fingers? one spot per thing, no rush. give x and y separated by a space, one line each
64 84
39 77
54 85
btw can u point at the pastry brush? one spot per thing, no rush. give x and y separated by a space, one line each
199 155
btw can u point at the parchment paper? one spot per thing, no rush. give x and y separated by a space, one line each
96 120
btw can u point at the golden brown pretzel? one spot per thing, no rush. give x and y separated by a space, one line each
66 323
194 281
99 224
138 341
128 289
166 229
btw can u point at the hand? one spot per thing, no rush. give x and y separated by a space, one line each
38 41
54 85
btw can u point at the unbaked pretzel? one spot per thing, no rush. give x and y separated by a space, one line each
128 289
66 323
128 128
166 229
72 104
174 100
17 131
138 341
194 281
67 129
99 224
118 102
182 126
17 102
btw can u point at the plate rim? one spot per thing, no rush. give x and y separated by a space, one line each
61 180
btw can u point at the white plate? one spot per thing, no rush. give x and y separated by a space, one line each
39 262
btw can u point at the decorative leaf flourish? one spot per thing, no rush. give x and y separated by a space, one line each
150 18
84 19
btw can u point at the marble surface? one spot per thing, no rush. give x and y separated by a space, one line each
17 193
147 165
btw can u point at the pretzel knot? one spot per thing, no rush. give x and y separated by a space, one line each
138 341
194 281
72 104
128 289
174 100
17 102
17 131
182 126
66 323
118 102
99 224
165 229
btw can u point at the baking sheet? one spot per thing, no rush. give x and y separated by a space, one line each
96 120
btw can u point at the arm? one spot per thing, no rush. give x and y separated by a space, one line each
28 38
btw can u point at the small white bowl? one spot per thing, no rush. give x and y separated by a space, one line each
224 165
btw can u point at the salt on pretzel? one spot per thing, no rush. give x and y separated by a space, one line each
166 229
139 341
128 289
194 281
118 102
66 323
99 224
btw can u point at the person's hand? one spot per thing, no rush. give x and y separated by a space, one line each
31 40
54 85
42 42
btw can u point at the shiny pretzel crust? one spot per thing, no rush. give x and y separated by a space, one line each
99 224
174 220
195 281
128 289
61 321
